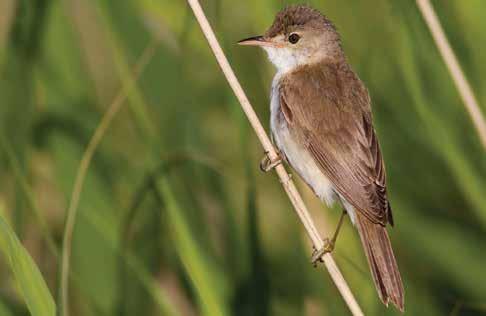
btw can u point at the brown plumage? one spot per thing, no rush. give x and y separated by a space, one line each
294 16
335 124
322 124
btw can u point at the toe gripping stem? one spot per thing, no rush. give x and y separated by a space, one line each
328 243
268 164
318 253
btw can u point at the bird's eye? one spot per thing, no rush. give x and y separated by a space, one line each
294 38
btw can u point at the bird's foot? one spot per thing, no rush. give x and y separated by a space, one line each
318 253
268 164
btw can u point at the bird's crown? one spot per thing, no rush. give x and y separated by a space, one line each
298 16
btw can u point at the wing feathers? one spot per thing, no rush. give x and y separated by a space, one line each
332 118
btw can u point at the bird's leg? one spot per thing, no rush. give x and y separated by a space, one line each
328 244
267 164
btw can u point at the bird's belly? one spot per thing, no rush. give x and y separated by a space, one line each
303 163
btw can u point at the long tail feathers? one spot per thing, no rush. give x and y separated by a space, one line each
383 265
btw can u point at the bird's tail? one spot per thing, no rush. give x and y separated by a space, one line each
383 265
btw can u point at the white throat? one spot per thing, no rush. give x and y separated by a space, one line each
285 59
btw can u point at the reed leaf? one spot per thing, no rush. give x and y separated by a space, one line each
27 276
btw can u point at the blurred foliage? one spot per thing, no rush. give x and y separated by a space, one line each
174 217
30 283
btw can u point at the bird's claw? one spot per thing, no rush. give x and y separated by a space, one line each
267 164
318 253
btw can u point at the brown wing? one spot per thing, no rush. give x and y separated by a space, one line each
328 108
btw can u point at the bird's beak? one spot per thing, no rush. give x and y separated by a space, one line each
256 41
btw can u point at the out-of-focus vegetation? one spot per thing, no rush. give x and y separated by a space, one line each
174 216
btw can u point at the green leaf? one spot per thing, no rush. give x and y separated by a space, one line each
198 268
4 310
27 276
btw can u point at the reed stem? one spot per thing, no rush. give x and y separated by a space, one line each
285 179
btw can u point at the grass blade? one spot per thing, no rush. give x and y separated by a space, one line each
27 276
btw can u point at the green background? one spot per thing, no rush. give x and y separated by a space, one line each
174 216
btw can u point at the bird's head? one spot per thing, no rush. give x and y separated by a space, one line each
299 35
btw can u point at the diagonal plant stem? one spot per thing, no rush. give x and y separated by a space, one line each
83 169
285 179
450 59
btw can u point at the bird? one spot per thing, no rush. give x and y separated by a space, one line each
321 123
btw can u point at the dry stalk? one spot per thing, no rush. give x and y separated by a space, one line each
450 59
285 179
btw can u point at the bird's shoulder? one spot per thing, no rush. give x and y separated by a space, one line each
327 83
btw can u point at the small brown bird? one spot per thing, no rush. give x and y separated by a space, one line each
321 122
